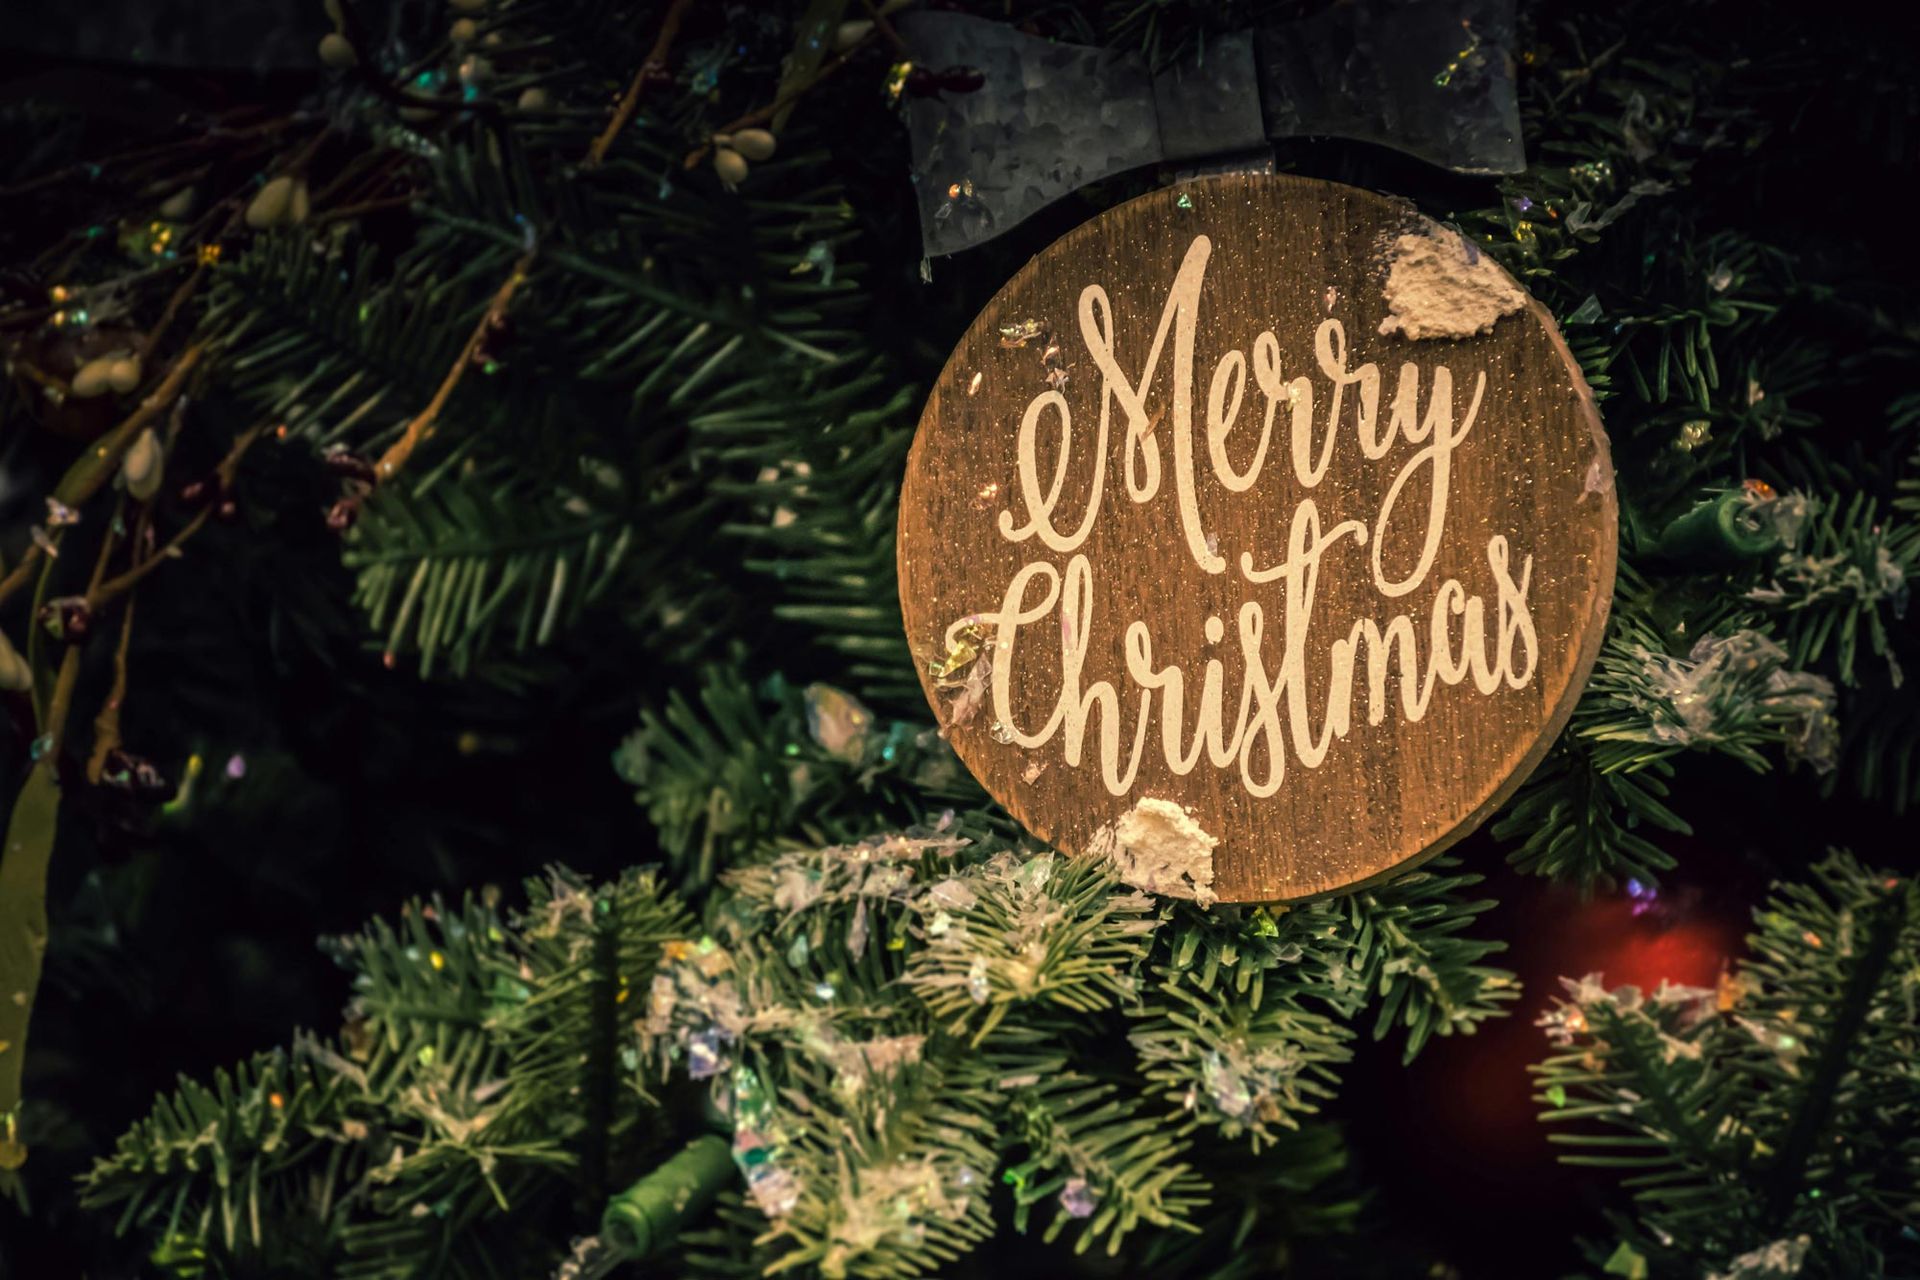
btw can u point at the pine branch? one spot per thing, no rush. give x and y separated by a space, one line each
1771 1112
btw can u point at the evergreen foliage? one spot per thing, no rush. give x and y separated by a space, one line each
590 421
1763 1126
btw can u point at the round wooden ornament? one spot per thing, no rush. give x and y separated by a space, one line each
1259 536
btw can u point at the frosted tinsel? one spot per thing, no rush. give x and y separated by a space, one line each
1780 1260
1078 1199
892 1200
1727 682
1783 515
1800 579
839 722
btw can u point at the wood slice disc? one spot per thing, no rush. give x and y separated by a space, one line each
1259 534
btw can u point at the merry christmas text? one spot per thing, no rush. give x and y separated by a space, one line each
1454 636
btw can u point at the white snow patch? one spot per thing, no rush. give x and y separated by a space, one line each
1157 846
1440 285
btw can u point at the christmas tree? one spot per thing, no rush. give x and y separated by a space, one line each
414 463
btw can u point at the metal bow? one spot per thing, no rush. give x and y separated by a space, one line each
1432 78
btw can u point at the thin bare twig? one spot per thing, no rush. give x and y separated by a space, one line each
106 723
879 16
766 113
101 594
422 424
144 153
84 478
650 68
365 206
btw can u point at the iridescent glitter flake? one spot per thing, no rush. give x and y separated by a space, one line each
706 1053
1077 1198
838 721
962 649
1021 332
977 985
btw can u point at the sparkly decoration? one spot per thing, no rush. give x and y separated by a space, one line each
1786 1047
1077 1198
963 648
1592 172
973 693
153 239
756 1151
1588 312
775 1191
1627 1263
839 722
1465 58
896 80
1001 732
706 1053
134 776
1725 680
1643 896
978 987
966 210
1692 435
1021 332
59 514
1780 1260
1783 517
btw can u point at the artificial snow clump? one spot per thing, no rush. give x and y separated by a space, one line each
1439 285
1157 846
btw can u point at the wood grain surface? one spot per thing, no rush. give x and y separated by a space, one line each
1286 256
